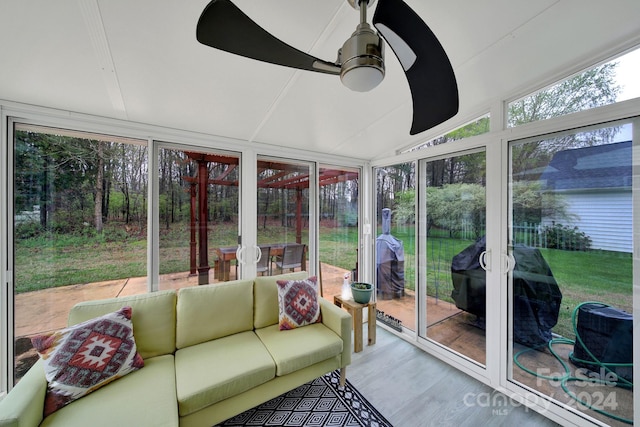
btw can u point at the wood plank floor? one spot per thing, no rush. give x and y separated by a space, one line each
412 388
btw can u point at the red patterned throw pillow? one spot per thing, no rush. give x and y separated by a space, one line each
82 358
298 303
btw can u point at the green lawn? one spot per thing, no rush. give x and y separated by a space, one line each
52 261
58 260
601 276
55 260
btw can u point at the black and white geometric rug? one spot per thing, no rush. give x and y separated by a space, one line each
320 402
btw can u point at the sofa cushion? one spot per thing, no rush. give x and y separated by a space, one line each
146 397
82 358
208 312
265 291
298 348
215 370
154 319
23 406
298 303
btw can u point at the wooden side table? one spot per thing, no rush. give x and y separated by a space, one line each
355 310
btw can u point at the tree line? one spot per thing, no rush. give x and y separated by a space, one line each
74 182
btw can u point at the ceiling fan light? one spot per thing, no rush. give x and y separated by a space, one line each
362 78
362 60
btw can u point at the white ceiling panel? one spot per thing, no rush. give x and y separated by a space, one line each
48 58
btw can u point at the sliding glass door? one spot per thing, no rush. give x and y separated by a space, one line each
455 247
198 215
283 206
571 276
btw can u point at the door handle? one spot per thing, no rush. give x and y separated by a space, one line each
510 263
240 254
484 259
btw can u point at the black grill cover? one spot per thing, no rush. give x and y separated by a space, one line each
390 266
536 295
389 261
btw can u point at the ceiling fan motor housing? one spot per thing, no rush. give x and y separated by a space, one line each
362 59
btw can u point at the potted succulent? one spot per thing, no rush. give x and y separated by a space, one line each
361 292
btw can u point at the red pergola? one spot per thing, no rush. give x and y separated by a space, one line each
287 176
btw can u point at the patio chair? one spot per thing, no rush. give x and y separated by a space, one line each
291 257
264 263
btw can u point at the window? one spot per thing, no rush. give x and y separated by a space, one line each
606 84
339 196
395 244
80 214
476 127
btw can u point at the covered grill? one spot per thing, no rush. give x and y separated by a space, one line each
389 261
536 295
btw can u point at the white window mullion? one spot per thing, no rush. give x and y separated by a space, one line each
421 256
153 220
248 227
636 259
6 263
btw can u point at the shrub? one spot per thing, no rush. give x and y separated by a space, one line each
348 219
558 236
115 234
27 230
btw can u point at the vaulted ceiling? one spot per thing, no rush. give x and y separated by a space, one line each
139 60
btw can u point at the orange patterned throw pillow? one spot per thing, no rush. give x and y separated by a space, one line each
298 303
82 358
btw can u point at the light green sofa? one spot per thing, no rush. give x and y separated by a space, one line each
210 352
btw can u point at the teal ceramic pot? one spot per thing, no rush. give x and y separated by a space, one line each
361 292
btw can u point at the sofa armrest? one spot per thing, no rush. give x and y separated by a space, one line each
24 405
340 322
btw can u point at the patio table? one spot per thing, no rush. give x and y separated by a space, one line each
226 254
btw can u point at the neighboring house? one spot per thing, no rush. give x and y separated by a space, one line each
596 183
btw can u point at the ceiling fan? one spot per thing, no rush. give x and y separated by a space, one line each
360 62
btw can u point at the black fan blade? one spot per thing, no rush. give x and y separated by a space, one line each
431 79
223 26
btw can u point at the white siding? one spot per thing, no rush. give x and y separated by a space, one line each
605 216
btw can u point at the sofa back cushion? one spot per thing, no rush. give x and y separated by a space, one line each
207 312
265 291
154 319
